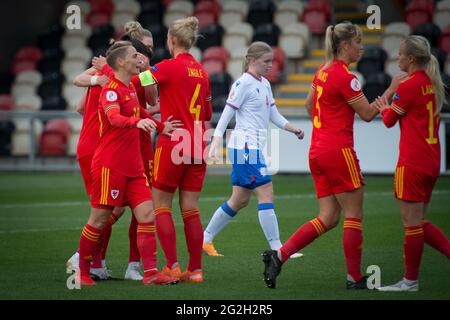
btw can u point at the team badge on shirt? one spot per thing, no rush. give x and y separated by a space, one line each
355 85
114 193
396 97
111 96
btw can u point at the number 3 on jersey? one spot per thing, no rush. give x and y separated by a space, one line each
195 109
317 123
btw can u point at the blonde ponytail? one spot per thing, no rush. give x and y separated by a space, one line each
433 72
335 35
419 48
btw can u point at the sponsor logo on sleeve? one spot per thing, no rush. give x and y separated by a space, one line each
355 85
111 96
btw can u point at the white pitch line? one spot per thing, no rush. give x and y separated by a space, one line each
202 199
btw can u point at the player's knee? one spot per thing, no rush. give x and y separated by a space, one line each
238 204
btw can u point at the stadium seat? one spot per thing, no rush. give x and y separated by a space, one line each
81 53
275 73
95 19
6 102
441 56
288 12
442 18
209 6
212 36
229 18
260 12
391 67
70 68
294 40
29 53
213 66
429 31
6 79
218 103
376 84
205 19
267 33
50 40
32 77
398 28
70 42
238 35
236 62
216 53
119 19
391 43
54 138
22 65
181 6
159 54
131 6
372 61
103 6
171 16
21 89
444 41
31 102
237 6
159 33
72 94
54 103
316 20
20 139
279 56
425 5
220 84
147 18
415 17
6 130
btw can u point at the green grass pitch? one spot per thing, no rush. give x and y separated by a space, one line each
41 216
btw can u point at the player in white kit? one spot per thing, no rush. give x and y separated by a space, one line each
251 101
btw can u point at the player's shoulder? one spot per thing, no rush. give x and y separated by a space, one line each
242 81
111 91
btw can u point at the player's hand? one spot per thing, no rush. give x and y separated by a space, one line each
146 125
299 133
170 125
214 149
144 63
98 62
381 103
399 77
102 80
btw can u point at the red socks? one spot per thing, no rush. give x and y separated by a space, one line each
166 235
302 237
132 236
88 241
435 238
193 231
146 242
413 248
352 238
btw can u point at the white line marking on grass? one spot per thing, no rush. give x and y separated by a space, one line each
202 199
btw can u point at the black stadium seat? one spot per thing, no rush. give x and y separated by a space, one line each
372 61
429 31
267 32
159 33
220 83
211 36
376 84
260 12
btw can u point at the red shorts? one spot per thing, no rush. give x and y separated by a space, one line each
168 176
112 189
335 172
411 184
85 167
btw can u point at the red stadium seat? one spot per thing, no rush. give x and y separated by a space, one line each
208 6
205 19
216 53
319 5
316 20
22 65
425 5
95 19
103 6
444 41
416 17
279 57
274 74
29 53
54 138
6 102
213 66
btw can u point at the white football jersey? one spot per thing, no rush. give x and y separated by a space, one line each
252 99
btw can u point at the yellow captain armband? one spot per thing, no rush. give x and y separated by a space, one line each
146 78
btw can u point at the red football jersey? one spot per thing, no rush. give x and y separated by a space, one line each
119 148
184 94
145 137
415 104
89 134
335 89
